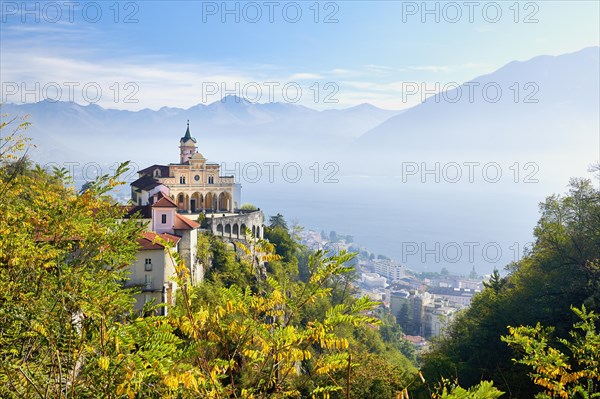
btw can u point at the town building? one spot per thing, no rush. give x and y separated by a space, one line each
389 269
373 280
437 316
460 297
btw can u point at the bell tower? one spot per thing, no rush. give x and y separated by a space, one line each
187 146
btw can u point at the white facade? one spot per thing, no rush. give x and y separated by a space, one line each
392 271
143 197
153 272
373 280
437 318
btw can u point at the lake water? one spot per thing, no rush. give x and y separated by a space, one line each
425 227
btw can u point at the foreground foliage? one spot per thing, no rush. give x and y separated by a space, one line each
483 390
63 256
574 374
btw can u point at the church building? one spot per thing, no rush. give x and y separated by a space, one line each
194 184
166 198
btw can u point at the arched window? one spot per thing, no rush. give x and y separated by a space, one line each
182 180
211 180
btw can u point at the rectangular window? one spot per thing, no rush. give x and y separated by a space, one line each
148 265
164 219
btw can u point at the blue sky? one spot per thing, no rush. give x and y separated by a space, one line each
180 53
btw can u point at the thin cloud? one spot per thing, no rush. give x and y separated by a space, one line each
341 72
447 68
154 81
305 76
431 68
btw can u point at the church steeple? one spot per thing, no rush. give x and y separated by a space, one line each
187 145
188 136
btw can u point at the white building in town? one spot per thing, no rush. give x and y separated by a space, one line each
389 269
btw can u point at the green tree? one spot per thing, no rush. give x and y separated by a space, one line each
204 249
571 375
559 271
278 221
225 268
203 220
496 282
403 318
285 246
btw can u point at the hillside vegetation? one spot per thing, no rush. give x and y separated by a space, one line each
293 328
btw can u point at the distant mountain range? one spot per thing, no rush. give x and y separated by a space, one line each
546 105
62 129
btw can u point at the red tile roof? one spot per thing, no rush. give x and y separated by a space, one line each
147 240
165 202
170 237
183 223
